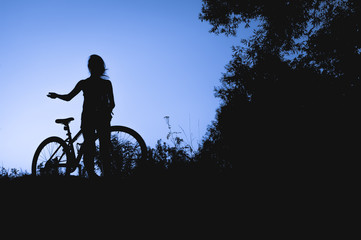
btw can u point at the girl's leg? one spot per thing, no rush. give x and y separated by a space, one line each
89 150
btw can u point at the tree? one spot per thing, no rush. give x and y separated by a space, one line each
292 91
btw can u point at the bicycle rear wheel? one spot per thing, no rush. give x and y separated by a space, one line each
50 158
128 152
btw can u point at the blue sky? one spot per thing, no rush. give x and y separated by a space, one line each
160 57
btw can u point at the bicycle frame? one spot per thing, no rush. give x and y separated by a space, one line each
70 142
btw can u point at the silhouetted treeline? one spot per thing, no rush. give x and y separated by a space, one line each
291 94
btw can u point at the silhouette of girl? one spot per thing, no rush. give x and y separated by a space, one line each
97 112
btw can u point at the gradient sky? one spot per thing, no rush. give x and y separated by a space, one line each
160 57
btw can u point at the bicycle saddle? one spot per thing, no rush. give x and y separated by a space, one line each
64 121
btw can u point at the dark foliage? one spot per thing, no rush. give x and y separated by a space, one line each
291 94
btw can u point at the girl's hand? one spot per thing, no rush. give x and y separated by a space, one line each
52 95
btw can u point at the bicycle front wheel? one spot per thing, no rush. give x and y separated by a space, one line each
50 158
128 152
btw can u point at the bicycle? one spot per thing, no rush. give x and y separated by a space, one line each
56 156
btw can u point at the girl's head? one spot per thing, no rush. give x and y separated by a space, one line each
96 66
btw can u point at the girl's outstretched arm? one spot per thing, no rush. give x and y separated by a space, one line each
69 96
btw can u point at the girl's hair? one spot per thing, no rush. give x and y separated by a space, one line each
96 66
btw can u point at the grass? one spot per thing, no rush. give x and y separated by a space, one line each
12 172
